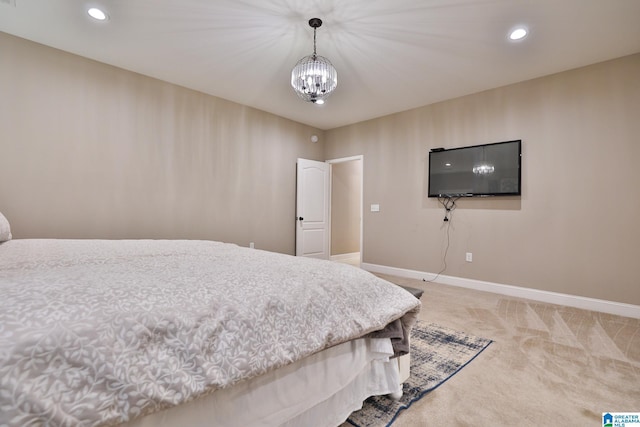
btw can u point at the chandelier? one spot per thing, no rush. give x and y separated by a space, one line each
314 78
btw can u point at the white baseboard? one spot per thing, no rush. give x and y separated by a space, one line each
345 257
586 303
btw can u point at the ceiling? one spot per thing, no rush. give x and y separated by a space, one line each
391 55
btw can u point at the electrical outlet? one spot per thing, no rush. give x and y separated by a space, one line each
469 257
252 245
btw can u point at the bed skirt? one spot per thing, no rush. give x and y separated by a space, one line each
320 390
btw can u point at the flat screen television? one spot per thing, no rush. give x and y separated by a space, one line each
476 171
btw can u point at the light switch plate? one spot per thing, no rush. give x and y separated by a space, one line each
375 208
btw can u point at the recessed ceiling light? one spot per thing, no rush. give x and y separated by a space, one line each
518 34
96 13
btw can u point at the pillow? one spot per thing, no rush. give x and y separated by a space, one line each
5 230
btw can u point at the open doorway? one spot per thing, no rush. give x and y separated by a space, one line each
346 209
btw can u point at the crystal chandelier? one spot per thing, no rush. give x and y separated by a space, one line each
314 78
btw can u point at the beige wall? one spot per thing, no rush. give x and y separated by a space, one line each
346 184
92 151
576 228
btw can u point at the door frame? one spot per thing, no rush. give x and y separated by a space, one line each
344 160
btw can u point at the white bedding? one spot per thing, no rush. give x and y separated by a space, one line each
321 390
96 332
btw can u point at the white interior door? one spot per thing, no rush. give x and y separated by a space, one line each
312 209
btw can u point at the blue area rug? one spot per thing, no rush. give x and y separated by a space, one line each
437 353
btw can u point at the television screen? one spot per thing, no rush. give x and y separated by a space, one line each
480 170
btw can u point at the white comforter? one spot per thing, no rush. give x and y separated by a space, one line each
96 332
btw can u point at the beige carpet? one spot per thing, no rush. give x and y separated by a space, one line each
548 364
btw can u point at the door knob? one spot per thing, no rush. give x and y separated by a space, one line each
300 218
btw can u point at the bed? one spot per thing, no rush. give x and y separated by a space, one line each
190 333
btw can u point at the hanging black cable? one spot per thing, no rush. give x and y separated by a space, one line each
449 205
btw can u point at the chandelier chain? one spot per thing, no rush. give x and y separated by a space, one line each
314 42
